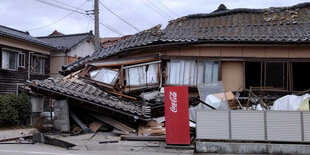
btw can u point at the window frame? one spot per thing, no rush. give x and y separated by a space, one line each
263 77
16 58
196 70
31 63
24 62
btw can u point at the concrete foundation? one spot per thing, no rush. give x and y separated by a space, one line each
251 148
61 111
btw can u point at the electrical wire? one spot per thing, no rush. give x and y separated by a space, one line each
68 5
107 26
119 17
167 8
60 7
135 12
73 11
153 9
159 9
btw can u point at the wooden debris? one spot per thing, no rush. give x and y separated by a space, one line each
15 138
152 128
77 130
94 126
118 132
143 138
79 122
41 138
114 123
108 141
122 95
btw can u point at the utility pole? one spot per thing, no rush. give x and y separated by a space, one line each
96 12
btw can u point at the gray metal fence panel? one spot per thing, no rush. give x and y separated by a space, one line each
247 125
306 125
212 125
283 126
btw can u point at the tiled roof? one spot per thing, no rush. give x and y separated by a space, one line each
281 24
20 35
109 41
142 38
271 25
79 89
66 41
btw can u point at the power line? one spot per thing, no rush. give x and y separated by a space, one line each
119 16
154 9
60 7
135 12
68 5
58 19
158 9
107 26
167 8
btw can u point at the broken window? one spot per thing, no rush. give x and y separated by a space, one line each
9 59
300 76
37 64
188 72
270 75
142 75
104 75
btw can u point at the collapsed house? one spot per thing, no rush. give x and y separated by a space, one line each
254 49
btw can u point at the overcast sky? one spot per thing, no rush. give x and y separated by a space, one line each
41 19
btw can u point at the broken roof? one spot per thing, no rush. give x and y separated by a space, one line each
23 36
271 25
78 89
65 42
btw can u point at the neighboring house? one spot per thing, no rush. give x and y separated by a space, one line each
69 48
266 48
23 57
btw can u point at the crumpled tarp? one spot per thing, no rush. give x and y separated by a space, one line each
292 103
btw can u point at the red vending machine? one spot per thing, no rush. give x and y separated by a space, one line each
176 115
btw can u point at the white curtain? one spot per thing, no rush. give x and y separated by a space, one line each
138 76
107 76
188 72
9 60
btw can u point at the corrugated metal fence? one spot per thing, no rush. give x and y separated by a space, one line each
253 125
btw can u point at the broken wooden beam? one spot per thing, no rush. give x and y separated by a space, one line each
114 123
41 138
79 122
108 141
143 138
94 126
15 138
122 95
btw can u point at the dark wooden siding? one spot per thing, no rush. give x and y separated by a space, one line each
10 78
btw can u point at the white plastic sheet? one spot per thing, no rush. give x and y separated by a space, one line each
104 75
289 102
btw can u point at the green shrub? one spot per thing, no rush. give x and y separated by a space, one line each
15 110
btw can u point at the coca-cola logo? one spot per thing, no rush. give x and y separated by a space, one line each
174 103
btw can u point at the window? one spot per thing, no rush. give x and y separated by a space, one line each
191 72
107 76
270 75
300 76
142 75
9 59
21 60
37 64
